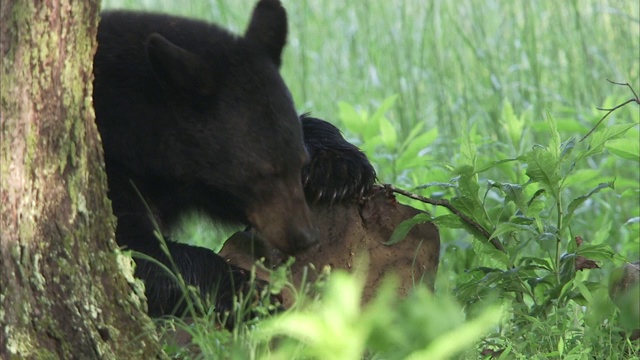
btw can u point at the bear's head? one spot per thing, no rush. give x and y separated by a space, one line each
238 127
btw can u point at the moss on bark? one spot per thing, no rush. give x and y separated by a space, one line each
63 292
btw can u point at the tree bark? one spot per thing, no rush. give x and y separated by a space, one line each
65 289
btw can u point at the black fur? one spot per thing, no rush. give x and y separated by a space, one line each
193 117
338 170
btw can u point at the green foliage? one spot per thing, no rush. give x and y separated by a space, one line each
379 138
492 99
417 327
544 271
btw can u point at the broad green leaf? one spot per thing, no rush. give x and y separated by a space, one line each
467 205
584 291
415 131
401 231
415 163
547 240
600 252
567 279
561 346
384 107
534 208
421 142
583 177
521 220
468 182
350 117
513 192
600 138
603 233
412 154
489 255
542 167
388 134
570 125
625 148
448 344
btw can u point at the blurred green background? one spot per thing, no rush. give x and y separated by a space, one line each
412 82
452 63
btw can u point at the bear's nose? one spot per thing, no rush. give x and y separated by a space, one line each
302 238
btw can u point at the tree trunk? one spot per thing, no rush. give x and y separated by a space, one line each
65 289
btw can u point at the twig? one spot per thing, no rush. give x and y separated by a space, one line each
635 99
445 203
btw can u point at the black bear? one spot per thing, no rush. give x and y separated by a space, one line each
193 117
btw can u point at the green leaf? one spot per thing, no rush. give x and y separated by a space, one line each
384 107
415 131
449 221
468 151
509 227
561 346
600 138
488 254
450 343
583 177
350 117
567 147
601 252
555 141
465 204
401 231
513 125
542 167
575 203
421 142
602 234
468 182
584 291
547 240
495 163
534 208
388 134
628 149
411 155
539 262
513 192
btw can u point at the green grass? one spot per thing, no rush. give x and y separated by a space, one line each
452 63
478 82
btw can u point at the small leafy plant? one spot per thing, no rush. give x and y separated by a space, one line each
530 249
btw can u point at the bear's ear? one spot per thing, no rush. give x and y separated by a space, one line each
268 28
175 65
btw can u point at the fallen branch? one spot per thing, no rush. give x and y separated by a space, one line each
445 203
635 99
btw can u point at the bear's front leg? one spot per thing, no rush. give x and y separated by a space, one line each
208 280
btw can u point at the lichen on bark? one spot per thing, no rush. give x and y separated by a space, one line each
63 291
